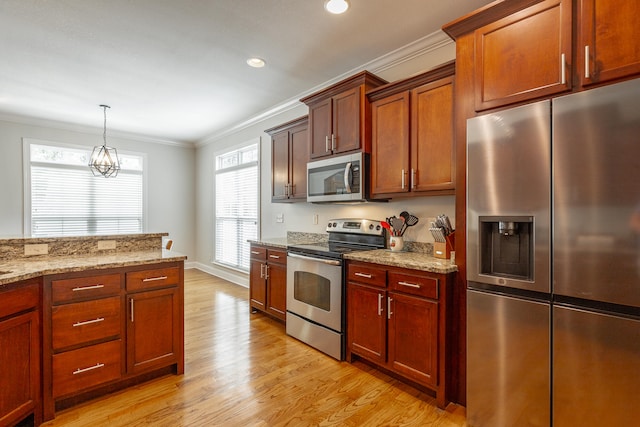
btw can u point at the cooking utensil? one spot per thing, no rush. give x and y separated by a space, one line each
397 224
385 225
409 221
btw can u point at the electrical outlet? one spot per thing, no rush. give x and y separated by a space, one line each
36 249
280 217
315 219
104 245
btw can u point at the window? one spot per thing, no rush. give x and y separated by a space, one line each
236 211
63 197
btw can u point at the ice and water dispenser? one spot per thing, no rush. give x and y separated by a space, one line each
506 246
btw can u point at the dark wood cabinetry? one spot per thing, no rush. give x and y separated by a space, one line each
412 136
20 391
339 116
400 320
268 280
103 329
289 156
607 46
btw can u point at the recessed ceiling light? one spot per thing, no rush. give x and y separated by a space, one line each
336 6
256 62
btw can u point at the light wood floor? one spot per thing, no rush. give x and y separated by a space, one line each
243 370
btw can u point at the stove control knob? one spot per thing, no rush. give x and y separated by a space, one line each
335 224
330 225
370 226
378 228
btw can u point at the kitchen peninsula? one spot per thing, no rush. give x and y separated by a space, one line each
84 316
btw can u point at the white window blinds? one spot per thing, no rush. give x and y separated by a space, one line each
236 199
68 200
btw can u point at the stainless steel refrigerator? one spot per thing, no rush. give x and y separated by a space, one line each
553 262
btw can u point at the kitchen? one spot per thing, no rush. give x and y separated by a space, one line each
295 217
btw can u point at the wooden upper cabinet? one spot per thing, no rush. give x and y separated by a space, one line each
432 153
289 156
524 55
412 136
608 46
390 144
339 116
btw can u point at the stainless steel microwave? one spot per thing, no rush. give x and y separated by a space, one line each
337 179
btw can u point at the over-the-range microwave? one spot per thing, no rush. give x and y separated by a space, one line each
338 179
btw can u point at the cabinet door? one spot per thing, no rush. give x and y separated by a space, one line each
390 144
346 121
432 154
19 367
608 40
298 157
413 338
153 329
366 322
524 56
257 285
279 166
277 290
320 129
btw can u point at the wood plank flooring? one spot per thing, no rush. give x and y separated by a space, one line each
242 369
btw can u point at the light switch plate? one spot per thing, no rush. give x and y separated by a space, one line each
280 217
36 249
106 244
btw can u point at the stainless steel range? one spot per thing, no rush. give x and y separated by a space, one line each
315 283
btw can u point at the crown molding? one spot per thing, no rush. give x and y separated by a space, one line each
408 52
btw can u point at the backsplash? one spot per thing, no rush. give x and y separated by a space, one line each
41 247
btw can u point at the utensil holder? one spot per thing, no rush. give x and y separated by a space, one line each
396 243
443 250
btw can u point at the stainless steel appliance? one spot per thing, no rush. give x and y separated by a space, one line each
553 326
508 267
315 283
338 179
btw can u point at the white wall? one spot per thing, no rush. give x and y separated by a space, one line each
299 216
170 179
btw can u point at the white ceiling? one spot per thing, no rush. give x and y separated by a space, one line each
175 69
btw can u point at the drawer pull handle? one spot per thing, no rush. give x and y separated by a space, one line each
366 276
274 256
255 252
90 368
411 285
87 288
88 322
153 279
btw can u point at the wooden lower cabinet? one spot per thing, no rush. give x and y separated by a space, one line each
268 281
104 330
20 395
399 320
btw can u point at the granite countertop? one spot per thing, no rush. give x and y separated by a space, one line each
27 268
411 260
276 242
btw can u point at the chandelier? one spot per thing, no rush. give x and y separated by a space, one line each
104 160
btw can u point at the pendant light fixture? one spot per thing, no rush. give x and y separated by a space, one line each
104 160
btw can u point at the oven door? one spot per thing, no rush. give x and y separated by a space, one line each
314 289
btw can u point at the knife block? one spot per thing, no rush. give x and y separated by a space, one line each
443 250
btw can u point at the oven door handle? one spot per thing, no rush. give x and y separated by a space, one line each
310 258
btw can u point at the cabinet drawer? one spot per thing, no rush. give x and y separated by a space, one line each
83 288
76 370
367 274
258 253
151 279
83 322
414 284
276 256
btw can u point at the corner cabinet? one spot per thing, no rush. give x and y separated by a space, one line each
399 319
20 390
412 144
289 156
103 329
339 116
268 281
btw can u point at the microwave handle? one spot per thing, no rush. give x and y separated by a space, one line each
347 177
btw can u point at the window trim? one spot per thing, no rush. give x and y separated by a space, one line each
254 141
26 177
